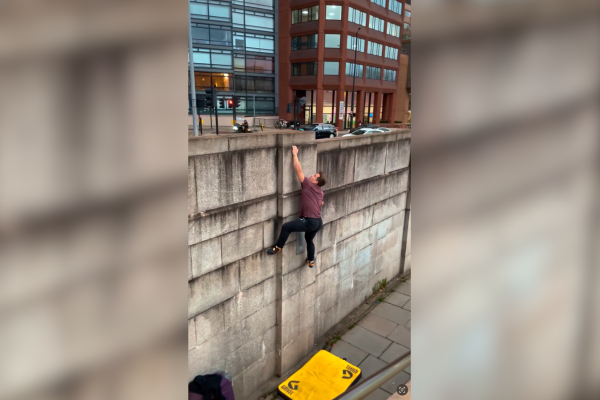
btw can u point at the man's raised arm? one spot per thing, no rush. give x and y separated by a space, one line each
297 166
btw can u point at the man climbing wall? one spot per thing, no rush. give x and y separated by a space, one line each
310 211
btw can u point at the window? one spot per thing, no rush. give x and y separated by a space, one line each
331 68
333 12
374 48
353 41
254 64
254 84
393 30
379 2
389 75
407 13
391 52
358 17
214 58
305 42
223 81
253 20
253 42
396 6
211 34
305 15
215 11
257 3
406 34
373 73
376 23
351 67
304 69
332 41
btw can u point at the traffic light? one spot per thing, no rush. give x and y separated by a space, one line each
221 103
210 97
230 103
236 102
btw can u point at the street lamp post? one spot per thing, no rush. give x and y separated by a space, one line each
354 78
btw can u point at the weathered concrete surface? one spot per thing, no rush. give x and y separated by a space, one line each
244 304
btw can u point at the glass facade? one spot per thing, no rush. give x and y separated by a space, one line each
391 52
333 12
305 42
331 68
389 75
305 15
356 44
234 49
376 23
356 16
373 73
332 40
304 69
393 29
351 67
395 6
379 2
374 48
406 33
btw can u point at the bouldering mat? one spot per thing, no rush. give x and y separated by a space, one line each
323 377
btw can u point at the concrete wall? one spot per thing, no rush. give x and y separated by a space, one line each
254 315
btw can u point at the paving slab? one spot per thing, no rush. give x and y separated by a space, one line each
393 352
377 324
407 306
378 395
401 335
397 299
366 340
403 288
392 385
369 366
392 313
351 353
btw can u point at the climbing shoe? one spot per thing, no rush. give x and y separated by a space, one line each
274 250
310 263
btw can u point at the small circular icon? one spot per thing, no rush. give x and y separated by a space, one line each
402 390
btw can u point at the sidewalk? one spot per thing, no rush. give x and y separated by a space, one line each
380 338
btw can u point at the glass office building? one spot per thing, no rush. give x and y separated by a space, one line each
234 50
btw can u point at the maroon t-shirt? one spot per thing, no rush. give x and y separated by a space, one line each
311 198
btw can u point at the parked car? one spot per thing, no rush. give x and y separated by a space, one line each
321 130
372 126
357 132
376 130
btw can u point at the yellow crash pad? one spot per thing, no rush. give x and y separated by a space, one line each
323 377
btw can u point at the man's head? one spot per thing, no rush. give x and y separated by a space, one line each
317 179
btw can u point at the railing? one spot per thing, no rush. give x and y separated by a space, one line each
375 381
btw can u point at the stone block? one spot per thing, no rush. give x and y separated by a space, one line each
398 155
192 202
380 230
335 205
355 141
212 225
295 351
258 374
397 182
211 355
191 334
270 288
297 138
190 274
238 386
326 236
290 205
256 212
379 189
337 167
407 263
259 173
207 145
270 233
358 197
325 321
296 280
219 180
389 207
367 340
244 304
242 243
327 289
327 145
255 269
209 324
401 334
346 286
291 260
252 350
325 260
399 379
383 137
212 288
307 155
252 141
346 351
370 161
307 298
206 256
398 221
290 308
260 322
353 223
290 331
